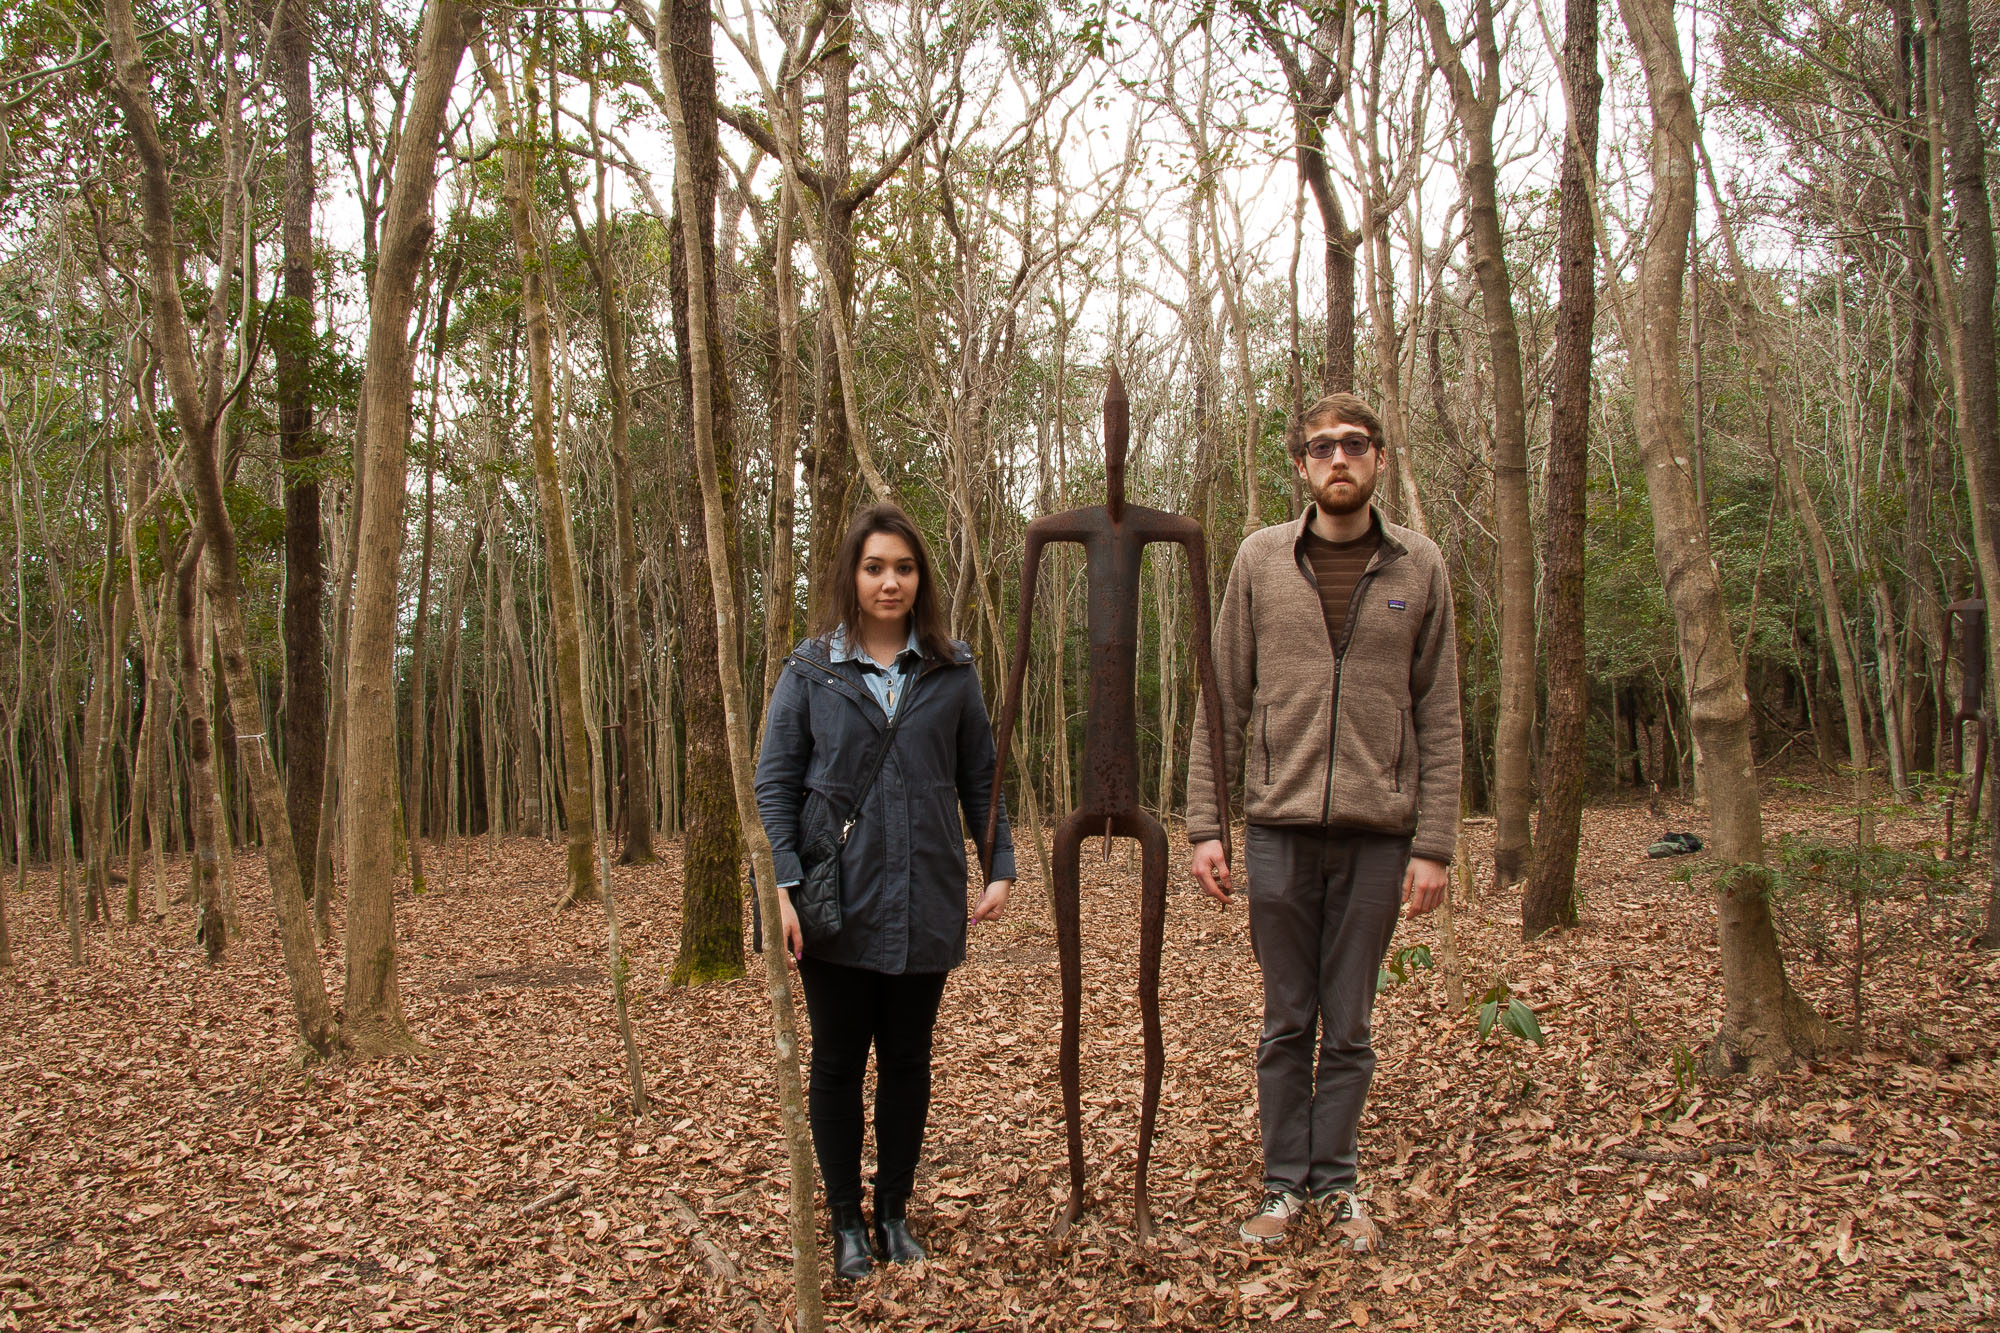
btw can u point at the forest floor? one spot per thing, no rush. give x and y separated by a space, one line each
166 1161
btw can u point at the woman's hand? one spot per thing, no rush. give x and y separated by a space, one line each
992 902
795 939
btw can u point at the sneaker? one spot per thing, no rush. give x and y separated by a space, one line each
1349 1215
1267 1225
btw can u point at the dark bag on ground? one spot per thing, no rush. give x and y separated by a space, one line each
1675 844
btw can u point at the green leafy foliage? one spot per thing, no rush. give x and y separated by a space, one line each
1405 963
1501 1008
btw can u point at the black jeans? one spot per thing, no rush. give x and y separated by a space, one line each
850 1009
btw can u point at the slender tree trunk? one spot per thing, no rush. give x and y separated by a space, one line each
831 468
1978 407
1765 1023
1477 105
779 598
1783 442
198 410
443 810
1550 897
607 269
300 449
374 1007
791 1091
565 609
711 945
525 707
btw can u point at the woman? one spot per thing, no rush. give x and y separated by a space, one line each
882 656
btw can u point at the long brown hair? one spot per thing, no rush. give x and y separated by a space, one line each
843 603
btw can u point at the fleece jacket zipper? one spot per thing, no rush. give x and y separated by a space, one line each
1346 637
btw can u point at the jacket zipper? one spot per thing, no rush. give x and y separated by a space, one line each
1346 637
1267 744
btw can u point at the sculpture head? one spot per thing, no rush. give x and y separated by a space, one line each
1117 430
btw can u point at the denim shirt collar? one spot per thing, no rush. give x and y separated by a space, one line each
839 650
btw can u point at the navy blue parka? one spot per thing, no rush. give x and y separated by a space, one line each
903 872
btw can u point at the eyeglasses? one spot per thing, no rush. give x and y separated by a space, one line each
1354 446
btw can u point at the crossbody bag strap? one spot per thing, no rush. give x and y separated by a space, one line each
874 766
874 771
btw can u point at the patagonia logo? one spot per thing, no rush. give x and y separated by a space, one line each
1398 604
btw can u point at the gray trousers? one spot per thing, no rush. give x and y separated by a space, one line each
1323 906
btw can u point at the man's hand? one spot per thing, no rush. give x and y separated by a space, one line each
1424 884
992 902
1211 869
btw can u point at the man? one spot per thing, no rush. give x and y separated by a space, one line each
1335 652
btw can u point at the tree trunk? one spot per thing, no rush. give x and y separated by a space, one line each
1784 445
1978 409
779 598
300 450
565 598
711 943
442 808
198 408
1765 1024
374 1008
1476 106
608 272
525 705
1550 897
791 1092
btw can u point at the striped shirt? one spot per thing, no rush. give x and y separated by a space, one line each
1337 568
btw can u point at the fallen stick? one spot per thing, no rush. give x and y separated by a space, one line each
1688 1156
719 1265
562 1193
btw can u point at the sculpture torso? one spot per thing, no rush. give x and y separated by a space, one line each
1113 552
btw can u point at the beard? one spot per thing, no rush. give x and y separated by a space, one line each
1334 502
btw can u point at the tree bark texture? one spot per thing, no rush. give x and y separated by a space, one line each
1978 408
1476 105
608 273
791 1090
1549 900
830 456
1314 88
711 944
299 449
1784 444
565 600
374 1009
198 407
1765 1024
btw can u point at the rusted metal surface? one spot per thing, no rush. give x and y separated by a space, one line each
1114 536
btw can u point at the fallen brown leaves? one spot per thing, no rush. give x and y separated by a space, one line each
166 1162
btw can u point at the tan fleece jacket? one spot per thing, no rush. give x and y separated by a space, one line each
1369 739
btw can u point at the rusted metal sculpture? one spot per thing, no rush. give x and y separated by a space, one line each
1968 632
1114 536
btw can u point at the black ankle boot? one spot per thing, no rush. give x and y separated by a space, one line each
851 1260
893 1240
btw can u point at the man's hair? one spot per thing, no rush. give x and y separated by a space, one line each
1343 408
843 602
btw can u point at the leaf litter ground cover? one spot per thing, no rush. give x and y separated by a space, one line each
166 1162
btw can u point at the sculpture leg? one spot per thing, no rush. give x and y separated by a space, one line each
1152 929
1069 946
